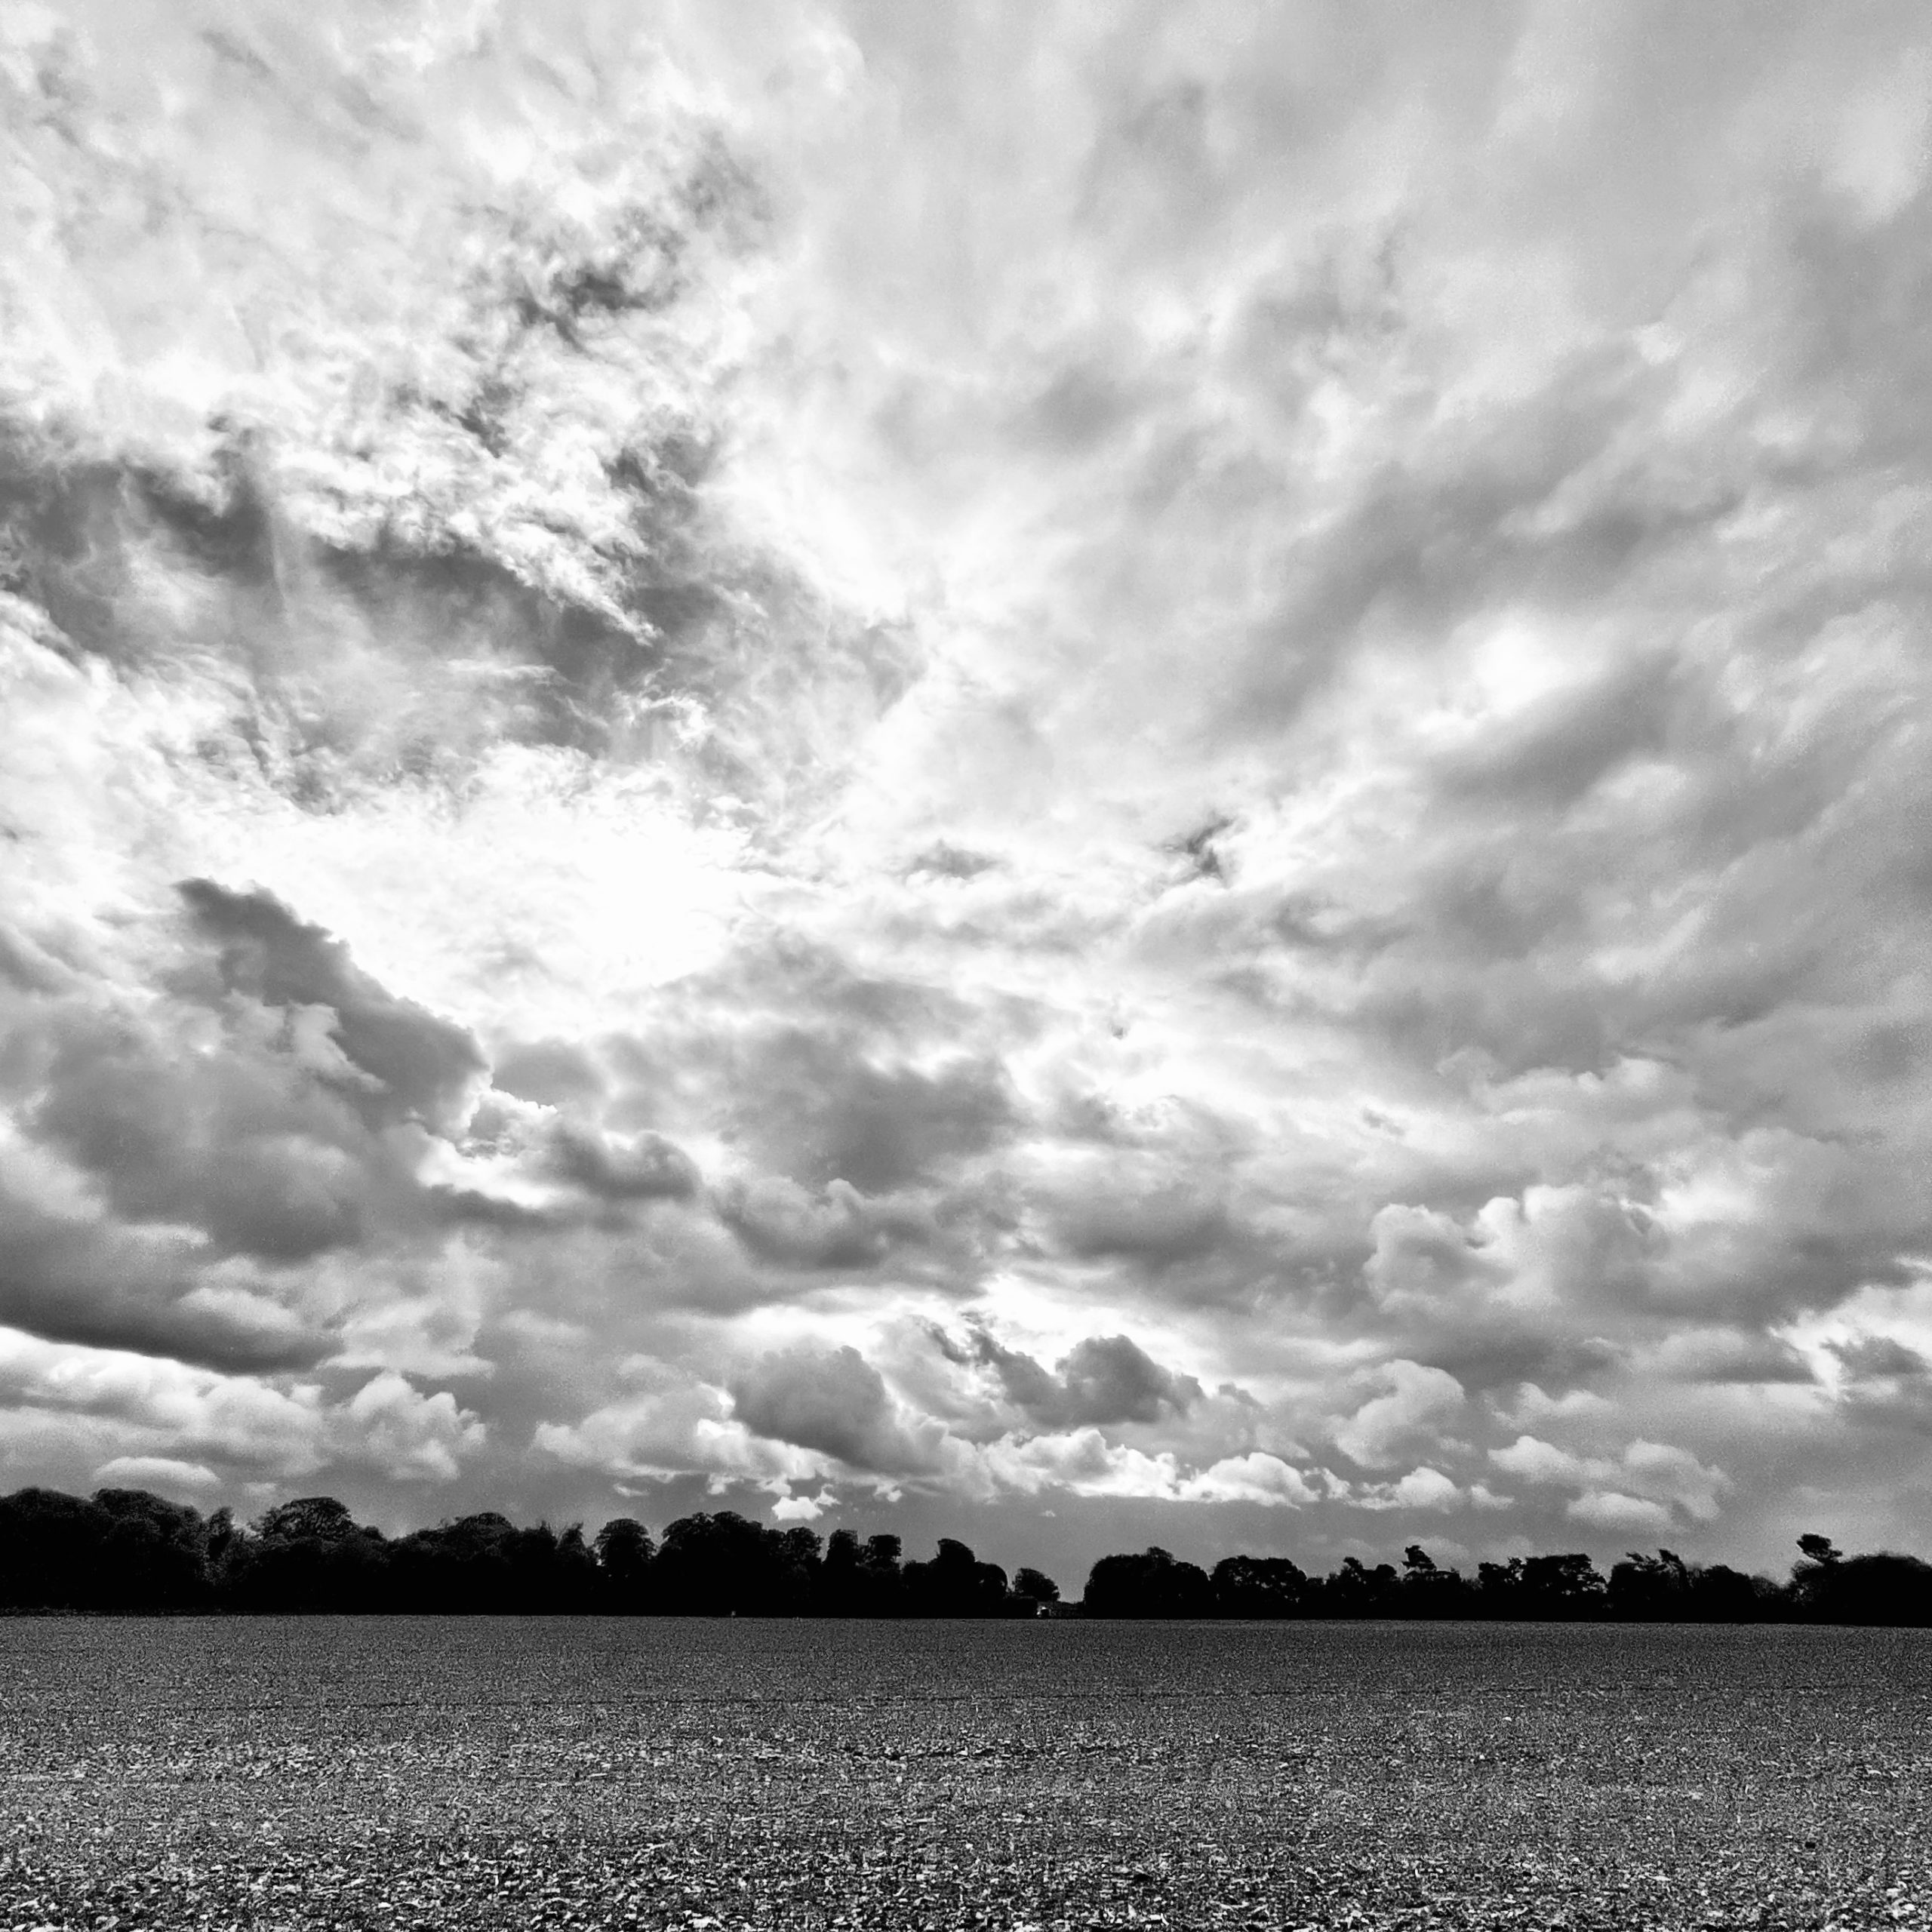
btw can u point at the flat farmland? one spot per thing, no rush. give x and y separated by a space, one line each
338 1772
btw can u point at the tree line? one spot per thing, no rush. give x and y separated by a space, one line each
129 1550
1824 1586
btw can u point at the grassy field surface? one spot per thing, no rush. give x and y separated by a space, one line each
318 1772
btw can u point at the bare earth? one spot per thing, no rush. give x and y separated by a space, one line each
286 1772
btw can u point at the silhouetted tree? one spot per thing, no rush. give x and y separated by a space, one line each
1722 1595
308 1554
484 1563
1355 1590
1428 1590
1035 1588
129 1550
840 1585
1665 1588
309 1519
861 1579
576 1572
1561 1587
155 1554
222 1535
954 1583
1497 1587
1154 1583
1883 1588
50 1550
719 1564
801 1564
1649 1588
623 1551
882 1576
1258 1586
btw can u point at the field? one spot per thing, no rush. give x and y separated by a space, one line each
276 1773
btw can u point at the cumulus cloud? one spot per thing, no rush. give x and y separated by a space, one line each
1156 1229
1872 1358
407 1435
1653 1479
832 1401
802 1509
1085 1463
687 695
666 1422
814 1110
177 1156
180 1424
780 1221
1612 1510
1105 1380
1418 1404
70 1274
423 1068
1424 1488
647 1167
1255 1477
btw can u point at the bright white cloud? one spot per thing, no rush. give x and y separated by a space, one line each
1664 1477
1256 1477
1418 1404
168 1475
232 1424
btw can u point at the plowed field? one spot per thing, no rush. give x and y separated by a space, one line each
286 1772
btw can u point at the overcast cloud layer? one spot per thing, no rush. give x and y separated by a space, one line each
1083 774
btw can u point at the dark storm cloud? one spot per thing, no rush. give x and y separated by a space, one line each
82 1281
646 1167
1886 1394
817 1110
851 1113
256 1118
1873 1357
428 1068
555 1072
1560 1286
241 1144
1110 1379
839 1228
1158 1229
1103 1380
949 862
831 1400
1487 1356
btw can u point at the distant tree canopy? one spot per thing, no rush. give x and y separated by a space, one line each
1153 1584
1036 1586
123 1550
1884 1588
1825 1587
126 1550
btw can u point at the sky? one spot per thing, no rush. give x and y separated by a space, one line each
1078 775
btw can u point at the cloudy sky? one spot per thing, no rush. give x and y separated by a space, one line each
1079 774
